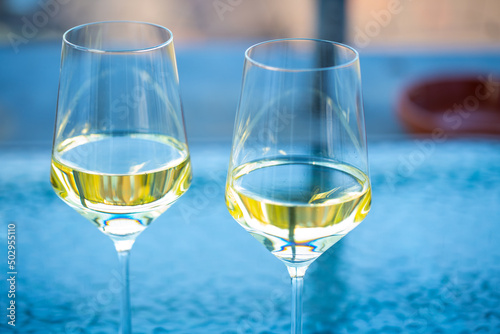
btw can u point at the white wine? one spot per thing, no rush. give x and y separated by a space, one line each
120 183
298 207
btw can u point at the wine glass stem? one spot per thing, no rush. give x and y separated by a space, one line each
126 324
297 288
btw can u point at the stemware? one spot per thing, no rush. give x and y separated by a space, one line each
120 156
298 173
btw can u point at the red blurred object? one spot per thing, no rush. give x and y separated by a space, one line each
452 105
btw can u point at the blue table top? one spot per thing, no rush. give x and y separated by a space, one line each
426 260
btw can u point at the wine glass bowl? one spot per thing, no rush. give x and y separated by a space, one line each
298 176
120 156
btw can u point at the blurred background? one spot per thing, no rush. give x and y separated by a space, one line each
425 261
400 41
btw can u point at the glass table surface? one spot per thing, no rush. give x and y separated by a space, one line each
426 259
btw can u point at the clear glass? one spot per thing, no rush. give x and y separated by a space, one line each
120 155
298 176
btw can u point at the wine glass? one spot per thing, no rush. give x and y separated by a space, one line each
120 156
298 173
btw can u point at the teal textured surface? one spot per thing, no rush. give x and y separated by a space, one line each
426 260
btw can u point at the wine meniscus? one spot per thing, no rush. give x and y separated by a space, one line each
121 183
298 207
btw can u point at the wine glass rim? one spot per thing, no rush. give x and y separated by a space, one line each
132 50
347 63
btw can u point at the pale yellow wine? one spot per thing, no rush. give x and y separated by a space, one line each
121 183
298 207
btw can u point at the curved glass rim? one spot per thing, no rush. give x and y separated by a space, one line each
84 48
319 68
